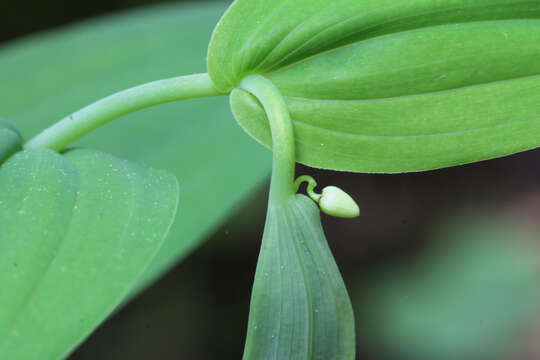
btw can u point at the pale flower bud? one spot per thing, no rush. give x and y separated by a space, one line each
337 202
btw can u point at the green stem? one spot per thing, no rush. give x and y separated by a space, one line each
69 129
310 187
282 183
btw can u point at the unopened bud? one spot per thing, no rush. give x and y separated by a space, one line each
337 202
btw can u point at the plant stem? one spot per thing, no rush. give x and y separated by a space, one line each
69 129
310 187
283 145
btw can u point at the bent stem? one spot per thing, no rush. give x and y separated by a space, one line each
282 183
69 129
310 187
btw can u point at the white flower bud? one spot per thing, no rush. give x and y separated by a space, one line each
337 202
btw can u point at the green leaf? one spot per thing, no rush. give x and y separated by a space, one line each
48 76
10 140
300 308
77 231
388 86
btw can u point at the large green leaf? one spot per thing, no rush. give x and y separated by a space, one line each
300 308
77 231
48 76
388 86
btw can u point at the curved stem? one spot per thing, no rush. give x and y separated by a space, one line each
310 187
99 113
282 183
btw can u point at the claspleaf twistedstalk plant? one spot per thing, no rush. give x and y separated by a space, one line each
366 86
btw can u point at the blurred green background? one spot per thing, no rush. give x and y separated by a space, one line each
440 265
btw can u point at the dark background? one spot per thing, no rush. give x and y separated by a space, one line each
28 16
199 310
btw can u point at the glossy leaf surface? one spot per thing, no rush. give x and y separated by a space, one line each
77 231
388 86
48 76
300 308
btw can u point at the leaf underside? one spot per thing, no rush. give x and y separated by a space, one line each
388 86
77 231
77 65
300 308
195 140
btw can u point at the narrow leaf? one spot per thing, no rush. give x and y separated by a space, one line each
300 308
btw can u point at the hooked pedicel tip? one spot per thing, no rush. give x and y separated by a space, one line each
333 201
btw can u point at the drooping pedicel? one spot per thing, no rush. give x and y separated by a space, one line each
388 86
